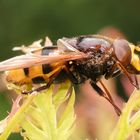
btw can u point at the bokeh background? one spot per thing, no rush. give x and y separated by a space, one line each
22 22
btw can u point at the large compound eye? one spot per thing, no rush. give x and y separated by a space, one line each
122 51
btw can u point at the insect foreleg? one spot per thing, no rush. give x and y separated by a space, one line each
128 76
112 72
136 81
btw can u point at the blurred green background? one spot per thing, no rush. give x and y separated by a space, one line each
22 22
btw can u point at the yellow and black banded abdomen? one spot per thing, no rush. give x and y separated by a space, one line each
35 74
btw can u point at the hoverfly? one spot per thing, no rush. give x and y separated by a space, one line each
86 57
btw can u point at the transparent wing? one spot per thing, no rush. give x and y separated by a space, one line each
29 60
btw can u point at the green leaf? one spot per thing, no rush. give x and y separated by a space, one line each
41 119
44 115
129 121
58 99
13 121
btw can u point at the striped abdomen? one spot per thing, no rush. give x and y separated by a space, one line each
35 74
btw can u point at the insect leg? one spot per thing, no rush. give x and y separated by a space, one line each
112 72
128 76
52 78
136 81
38 89
107 92
74 79
107 96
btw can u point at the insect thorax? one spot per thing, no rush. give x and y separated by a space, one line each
95 66
100 54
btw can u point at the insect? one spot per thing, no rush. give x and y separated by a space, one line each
86 57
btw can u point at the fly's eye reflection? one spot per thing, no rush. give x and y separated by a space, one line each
66 60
